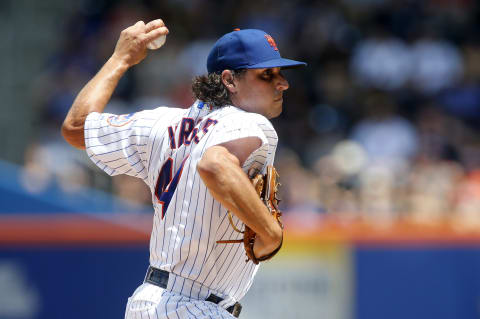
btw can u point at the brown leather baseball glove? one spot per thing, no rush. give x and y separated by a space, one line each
266 187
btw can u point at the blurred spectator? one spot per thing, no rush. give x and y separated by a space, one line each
431 191
467 206
299 192
382 61
436 142
463 100
437 64
388 138
50 164
377 195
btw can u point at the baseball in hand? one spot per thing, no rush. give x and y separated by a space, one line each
157 43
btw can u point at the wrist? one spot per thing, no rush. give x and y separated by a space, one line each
118 64
264 246
273 233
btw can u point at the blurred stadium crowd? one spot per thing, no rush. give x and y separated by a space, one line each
382 125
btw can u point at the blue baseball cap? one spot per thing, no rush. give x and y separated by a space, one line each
246 49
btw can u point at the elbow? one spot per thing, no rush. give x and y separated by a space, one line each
214 163
73 135
209 166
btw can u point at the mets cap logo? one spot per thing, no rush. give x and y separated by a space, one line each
271 42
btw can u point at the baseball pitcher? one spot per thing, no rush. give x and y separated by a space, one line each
209 169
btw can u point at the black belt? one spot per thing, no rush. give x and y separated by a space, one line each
159 278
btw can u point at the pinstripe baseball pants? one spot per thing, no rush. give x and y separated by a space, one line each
152 302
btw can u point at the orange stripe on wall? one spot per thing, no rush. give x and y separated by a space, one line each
68 229
402 232
71 229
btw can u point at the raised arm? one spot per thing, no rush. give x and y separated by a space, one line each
220 170
131 49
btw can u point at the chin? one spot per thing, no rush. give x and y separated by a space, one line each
275 112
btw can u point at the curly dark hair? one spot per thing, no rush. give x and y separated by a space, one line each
210 88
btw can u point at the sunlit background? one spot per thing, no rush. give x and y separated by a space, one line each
379 155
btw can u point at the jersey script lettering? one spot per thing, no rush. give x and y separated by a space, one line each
188 132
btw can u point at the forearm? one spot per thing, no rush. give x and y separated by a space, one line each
130 50
230 186
234 190
92 98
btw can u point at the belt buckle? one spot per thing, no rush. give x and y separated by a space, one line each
157 277
237 308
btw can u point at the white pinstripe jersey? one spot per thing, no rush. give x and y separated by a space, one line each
163 146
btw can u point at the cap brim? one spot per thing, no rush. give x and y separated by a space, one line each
275 63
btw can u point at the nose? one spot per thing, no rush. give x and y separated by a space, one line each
282 83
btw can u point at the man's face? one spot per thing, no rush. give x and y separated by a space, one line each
260 91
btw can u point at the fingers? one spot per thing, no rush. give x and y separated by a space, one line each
154 24
139 24
151 30
133 28
156 33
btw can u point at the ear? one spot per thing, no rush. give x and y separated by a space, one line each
229 81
